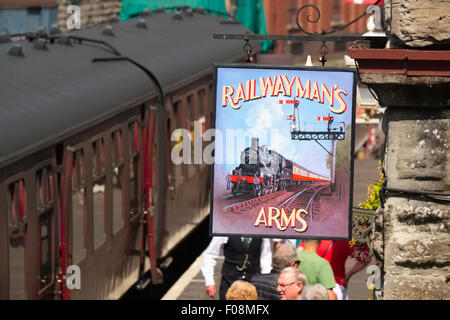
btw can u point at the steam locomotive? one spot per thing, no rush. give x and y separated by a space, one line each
263 171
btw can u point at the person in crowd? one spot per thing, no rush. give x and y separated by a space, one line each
291 283
278 242
337 253
244 257
241 290
315 292
316 268
283 257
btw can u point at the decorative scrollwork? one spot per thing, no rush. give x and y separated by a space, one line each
324 32
308 18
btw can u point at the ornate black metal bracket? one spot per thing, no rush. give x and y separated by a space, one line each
323 33
324 36
316 37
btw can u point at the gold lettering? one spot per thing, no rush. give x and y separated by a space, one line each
300 91
301 220
261 218
343 105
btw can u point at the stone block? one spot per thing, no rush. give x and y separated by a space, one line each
425 252
418 154
418 24
420 285
416 234
414 212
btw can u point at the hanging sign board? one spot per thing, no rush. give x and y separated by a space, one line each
283 165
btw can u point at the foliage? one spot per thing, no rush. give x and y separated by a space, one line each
373 201
362 250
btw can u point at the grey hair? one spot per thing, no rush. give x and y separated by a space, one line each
295 274
315 292
284 256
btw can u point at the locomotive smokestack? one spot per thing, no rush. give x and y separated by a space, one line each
255 143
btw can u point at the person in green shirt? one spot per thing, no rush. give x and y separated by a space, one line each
316 268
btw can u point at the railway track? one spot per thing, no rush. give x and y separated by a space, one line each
246 202
306 199
295 197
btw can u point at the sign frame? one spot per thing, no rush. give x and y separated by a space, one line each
216 67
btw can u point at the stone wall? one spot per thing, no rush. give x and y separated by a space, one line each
412 234
419 24
93 12
412 230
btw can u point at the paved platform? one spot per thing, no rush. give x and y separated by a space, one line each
191 285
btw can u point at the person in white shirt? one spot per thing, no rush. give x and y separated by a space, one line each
244 257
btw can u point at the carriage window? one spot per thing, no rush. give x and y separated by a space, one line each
203 106
191 112
45 248
117 180
17 209
78 204
98 191
44 190
98 158
133 130
179 114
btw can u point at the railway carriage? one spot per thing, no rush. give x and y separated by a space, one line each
302 174
85 138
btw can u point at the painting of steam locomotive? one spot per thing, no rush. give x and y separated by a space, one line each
263 171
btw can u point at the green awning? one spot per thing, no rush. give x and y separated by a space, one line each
250 13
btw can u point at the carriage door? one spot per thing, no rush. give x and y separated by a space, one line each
151 185
175 121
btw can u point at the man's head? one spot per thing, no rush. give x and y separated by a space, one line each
284 256
291 283
315 292
311 245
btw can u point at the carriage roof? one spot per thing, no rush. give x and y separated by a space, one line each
48 95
